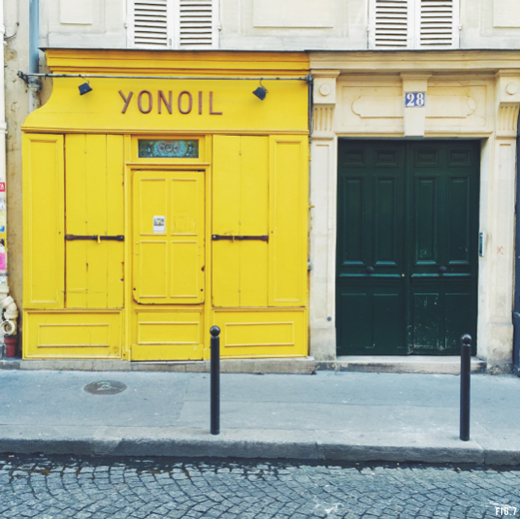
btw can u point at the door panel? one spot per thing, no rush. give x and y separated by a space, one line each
240 208
371 261
426 219
43 225
152 258
94 207
371 318
385 225
276 332
84 335
407 246
352 210
427 318
168 237
259 193
458 221
446 225
288 207
171 333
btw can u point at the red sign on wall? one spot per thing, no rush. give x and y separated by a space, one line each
2 187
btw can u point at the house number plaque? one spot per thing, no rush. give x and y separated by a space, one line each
414 99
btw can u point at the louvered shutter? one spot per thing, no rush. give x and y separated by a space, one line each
413 24
196 24
179 24
149 26
389 24
438 24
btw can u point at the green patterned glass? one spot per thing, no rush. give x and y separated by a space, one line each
161 149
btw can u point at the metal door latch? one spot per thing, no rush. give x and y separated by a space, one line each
94 237
217 237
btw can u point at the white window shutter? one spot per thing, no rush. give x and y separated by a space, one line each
438 24
413 24
173 24
197 24
150 24
389 24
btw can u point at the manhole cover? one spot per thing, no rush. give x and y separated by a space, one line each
105 387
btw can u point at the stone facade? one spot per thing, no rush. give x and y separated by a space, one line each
269 25
360 95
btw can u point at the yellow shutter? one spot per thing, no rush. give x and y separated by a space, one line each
43 221
288 197
94 207
260 190
169 260
240 208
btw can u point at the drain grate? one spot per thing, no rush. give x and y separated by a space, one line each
105 387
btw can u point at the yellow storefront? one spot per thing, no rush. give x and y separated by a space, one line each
166 200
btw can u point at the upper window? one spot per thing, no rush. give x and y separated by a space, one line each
414 24
172 24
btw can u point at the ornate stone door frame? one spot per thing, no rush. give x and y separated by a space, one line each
470 95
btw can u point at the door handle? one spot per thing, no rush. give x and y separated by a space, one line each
239 237
94 237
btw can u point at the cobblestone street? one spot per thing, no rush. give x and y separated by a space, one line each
55 488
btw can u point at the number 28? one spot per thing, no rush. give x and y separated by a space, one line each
414 99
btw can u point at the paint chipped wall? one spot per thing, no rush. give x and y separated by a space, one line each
16 52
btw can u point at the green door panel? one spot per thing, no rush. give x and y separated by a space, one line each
427 321
372 318
407 246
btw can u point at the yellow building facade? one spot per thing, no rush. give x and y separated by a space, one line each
164 201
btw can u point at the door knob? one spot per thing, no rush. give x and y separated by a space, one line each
370 270
442 269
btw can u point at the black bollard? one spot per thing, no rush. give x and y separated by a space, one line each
465 370
215 380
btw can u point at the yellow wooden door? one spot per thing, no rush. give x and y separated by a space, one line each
168 232
94 221
67 203
240 209
43 172
259 245
259 233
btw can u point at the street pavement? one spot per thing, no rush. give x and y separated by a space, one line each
46 487
325 416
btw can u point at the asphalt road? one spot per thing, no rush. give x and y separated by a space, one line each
61 487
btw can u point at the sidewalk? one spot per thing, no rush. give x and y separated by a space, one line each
328 416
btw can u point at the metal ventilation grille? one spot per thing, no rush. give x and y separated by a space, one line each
151 23
436 26
195 23
391 23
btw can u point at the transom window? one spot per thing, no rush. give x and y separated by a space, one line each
183 149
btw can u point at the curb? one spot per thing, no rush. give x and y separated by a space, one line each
327 446
305 366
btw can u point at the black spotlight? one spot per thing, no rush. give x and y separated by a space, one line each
85 88
260 92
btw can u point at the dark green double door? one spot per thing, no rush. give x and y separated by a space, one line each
407 247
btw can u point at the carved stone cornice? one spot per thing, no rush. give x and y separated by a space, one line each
377 62
324 101
507 119
508 102
323 121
